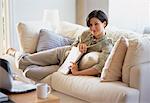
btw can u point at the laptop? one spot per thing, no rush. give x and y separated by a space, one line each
7 83
3 97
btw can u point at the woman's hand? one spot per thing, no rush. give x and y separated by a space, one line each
74 68
82 47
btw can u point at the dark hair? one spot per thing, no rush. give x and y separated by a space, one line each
97 14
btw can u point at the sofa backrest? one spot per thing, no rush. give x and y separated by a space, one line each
28 33
137 54
70 30
138 67
114 33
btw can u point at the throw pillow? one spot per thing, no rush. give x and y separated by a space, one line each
49 40
89 60
28 34
113 65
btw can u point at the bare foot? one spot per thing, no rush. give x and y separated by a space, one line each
11 51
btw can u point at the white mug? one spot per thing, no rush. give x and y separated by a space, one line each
43 90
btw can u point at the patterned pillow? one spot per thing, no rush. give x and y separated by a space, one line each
50 40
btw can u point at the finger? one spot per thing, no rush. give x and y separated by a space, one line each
72 62
85 46
81 50
80 46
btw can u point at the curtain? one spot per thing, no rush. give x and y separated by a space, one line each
84 7
5 30
80 12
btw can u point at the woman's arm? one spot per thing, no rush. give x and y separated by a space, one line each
89 71
75 43
97 68
83 38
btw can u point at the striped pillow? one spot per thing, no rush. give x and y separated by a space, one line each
50 40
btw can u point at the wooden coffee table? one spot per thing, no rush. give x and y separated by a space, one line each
31 97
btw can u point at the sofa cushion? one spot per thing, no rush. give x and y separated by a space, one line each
49 40
137 53
112 70
90 89
28 33
89 60
70 30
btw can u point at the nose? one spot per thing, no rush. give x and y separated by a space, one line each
92 28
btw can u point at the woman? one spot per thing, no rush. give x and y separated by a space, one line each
91 40
95 40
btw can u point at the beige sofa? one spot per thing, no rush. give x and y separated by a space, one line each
134 86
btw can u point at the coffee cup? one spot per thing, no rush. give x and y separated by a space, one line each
43 90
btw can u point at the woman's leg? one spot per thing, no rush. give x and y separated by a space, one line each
43 58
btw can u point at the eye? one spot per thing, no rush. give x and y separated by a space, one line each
96 23
90 25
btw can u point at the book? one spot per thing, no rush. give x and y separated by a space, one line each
3 97
74 56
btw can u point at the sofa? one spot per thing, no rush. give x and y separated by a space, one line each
132 86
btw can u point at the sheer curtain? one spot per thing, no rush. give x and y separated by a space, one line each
1 28
5 26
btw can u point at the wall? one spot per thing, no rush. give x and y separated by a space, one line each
129 14
32 10
125 14
84 7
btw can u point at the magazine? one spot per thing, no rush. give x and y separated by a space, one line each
73 56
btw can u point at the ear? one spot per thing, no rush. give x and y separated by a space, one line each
104 23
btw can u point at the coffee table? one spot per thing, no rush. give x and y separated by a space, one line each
31 97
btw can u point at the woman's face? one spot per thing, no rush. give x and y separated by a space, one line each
97 27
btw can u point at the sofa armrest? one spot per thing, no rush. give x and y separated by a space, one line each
139 79
17 73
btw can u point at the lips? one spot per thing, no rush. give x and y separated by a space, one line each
94 32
